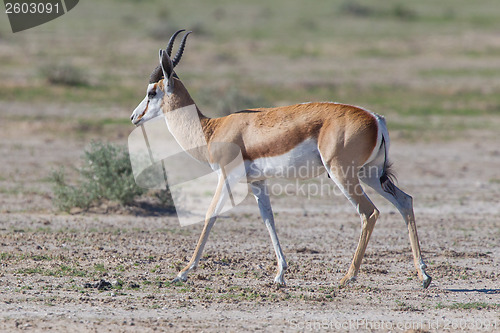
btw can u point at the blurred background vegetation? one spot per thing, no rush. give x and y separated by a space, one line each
432 67
414 59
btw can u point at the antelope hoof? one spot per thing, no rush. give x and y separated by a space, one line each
347 280
427 281
179 279
279 281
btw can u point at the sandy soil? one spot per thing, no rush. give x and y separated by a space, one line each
111 271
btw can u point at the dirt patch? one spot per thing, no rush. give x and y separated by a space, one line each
110 269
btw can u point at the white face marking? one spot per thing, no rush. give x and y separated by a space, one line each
150 107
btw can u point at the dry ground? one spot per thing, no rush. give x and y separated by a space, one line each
52 262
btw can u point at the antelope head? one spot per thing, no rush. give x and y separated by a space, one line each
161 84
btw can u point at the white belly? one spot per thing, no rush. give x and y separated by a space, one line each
303 162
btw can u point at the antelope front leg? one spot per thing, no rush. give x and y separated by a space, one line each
259 190
214 209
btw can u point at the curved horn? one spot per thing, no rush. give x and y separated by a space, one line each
156 75
178 56
170 44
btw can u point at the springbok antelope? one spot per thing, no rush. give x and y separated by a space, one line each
329 137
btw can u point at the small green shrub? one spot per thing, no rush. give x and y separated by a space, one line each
399 10
354 8
67 196
403 12
64 74
106 174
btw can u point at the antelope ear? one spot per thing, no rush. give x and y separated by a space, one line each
166 65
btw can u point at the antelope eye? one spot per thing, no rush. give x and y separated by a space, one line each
152 93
